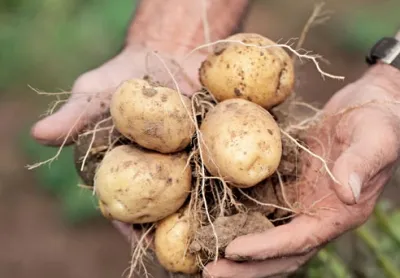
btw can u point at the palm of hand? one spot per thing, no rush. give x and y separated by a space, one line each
92 91
361 147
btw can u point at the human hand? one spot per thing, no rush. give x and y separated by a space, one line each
362 145
91 94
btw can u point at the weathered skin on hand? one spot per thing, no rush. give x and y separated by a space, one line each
365 149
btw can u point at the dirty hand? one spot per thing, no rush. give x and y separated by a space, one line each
91 92
363 145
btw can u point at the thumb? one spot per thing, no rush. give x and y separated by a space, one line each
361 161
62 126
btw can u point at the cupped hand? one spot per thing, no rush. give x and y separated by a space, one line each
91 94
361 142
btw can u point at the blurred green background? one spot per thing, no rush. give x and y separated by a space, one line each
51 227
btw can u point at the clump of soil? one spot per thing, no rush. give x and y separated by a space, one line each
226 229
92 144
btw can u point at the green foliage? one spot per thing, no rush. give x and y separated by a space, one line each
377 248
47 44
359 29
61 179
61 38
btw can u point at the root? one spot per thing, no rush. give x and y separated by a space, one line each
50 160
317 17
197 155
283 190
312 154
264 204
84 186
139 253
363 105
94 131
301 54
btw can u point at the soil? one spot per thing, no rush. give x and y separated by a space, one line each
227 229
35 241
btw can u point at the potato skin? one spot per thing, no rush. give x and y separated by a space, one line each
263 76
171 243
241 142
139 186
153 117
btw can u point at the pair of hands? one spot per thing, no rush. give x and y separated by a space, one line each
363 150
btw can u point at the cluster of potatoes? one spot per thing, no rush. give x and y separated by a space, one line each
150 179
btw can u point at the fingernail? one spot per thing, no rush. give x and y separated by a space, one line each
355 185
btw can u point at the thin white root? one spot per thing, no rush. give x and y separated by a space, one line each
140 251
307 105
84 186
264 204
50 160
312 154
95 129
49 94
317 17
305 55
283 190
198 134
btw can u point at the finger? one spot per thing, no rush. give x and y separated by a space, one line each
269 268
298 237
70 119
374 146
125 229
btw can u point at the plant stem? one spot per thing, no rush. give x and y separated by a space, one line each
334 262
389 268
384 222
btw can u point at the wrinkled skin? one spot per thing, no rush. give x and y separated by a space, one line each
91 92
363 150
98 85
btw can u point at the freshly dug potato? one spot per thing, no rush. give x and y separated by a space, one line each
153 117
140 186
171 243
262 75
241 142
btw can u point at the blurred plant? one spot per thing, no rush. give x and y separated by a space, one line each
47 44
61 38
61 179
377 250
358 29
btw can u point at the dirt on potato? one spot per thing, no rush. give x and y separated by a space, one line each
227 228
251 67
234 159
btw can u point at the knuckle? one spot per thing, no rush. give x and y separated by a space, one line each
84 82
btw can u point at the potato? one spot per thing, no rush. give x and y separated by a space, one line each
153 117
141 186
171 243
262 75
241 142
